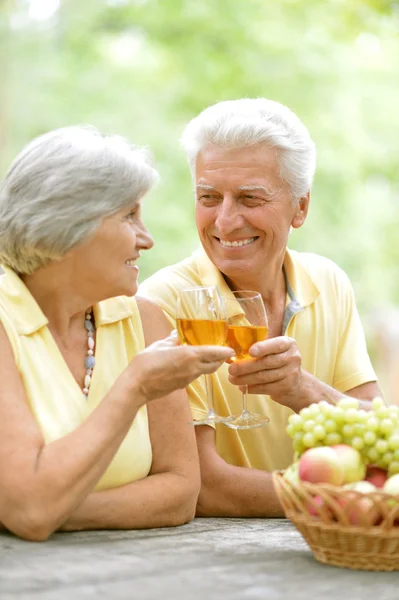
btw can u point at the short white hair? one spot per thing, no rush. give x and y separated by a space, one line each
61 187
247 122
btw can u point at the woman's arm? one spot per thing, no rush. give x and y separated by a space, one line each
41 485
168 496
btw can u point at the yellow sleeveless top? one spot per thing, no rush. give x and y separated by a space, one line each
54 397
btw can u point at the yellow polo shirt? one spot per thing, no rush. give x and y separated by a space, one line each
52 393
320 315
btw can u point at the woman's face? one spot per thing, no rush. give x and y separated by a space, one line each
109 257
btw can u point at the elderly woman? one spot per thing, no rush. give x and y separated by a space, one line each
93 427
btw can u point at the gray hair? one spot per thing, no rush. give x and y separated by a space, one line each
61 187
246 122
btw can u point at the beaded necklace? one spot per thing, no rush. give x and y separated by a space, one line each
90 360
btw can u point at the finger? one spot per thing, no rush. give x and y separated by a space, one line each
271 361
211 367
264 377
172 340
276 345
213 353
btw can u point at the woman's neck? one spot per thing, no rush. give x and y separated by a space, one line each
60 296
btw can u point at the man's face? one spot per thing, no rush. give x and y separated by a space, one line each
244 210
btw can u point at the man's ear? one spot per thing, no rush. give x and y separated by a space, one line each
301 211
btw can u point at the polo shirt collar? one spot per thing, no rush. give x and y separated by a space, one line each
111 311
301 288
22 308
28 317
300 285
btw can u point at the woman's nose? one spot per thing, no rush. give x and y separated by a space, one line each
144 238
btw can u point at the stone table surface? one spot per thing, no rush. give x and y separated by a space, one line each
208 558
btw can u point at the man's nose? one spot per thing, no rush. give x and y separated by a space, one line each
228 216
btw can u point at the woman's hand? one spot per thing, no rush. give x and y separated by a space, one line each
166 365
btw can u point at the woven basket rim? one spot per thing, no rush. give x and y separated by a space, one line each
328 487
298 501
374 530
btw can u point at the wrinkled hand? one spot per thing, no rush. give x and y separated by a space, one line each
166 365
275 370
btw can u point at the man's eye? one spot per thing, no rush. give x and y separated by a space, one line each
252 197
253 200
207 198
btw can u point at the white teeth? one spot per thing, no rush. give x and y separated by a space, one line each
130 263
235 243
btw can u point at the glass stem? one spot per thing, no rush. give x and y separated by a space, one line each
209 394
244 400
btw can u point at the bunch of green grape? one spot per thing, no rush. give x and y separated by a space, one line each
375 433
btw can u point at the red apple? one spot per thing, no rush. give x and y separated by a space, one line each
376 476
351 461
362 510
317 508
321 465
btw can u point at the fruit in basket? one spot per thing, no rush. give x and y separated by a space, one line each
292 473
317 507
352 463
391 485
374 433
376 476
321 465
360 510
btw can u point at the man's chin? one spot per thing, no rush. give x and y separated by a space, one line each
233 268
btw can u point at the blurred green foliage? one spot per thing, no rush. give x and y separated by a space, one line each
144 68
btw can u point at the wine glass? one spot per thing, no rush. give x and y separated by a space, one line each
247 325
201 319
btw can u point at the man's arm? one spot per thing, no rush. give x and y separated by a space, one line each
230 491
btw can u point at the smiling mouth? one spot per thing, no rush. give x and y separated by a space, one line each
131 262
236 243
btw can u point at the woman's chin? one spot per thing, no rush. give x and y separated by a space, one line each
129 290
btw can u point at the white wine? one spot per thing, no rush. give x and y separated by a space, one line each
241 338
202 332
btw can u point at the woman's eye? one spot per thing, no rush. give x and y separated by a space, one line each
132 215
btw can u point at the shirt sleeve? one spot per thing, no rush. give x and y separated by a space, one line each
11 334
353 366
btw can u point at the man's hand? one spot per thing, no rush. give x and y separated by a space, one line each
275 370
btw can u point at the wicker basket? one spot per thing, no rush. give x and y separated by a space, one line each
344 528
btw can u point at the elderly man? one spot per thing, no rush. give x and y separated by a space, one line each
253 163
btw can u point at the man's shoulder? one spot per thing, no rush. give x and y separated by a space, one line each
323 271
